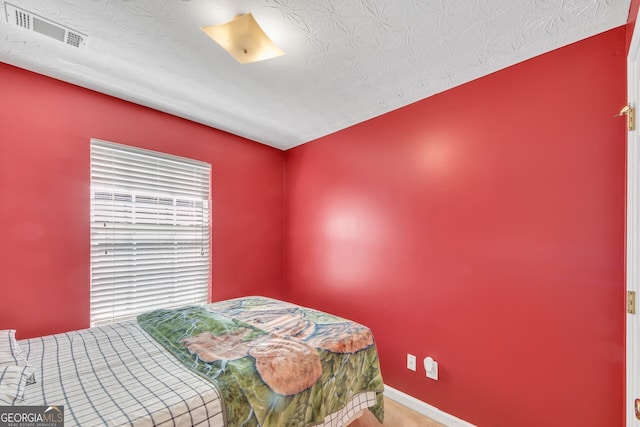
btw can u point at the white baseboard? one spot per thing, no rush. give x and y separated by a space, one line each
424 408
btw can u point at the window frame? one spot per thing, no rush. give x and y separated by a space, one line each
149 218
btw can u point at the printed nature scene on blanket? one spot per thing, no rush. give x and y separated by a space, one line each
272 361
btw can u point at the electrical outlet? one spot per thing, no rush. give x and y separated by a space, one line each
411 362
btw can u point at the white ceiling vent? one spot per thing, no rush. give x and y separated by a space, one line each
38 24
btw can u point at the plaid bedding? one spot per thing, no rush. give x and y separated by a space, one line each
118 375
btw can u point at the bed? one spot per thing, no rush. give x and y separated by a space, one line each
249 361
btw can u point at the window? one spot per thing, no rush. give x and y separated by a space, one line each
150 233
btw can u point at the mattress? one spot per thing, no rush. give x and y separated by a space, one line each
120 375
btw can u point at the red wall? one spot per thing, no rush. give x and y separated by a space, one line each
483 226
44 188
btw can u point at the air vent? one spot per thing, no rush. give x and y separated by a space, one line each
32 22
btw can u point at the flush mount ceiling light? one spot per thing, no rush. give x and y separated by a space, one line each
243 38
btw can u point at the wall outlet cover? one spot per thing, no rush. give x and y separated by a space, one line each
411 362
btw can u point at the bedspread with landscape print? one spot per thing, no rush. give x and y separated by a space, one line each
275 363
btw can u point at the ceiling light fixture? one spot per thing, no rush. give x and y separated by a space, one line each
243 39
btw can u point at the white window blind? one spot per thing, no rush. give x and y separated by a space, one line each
150 232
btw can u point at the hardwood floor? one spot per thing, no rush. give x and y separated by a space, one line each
396 415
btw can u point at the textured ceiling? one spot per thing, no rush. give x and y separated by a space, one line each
345 62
